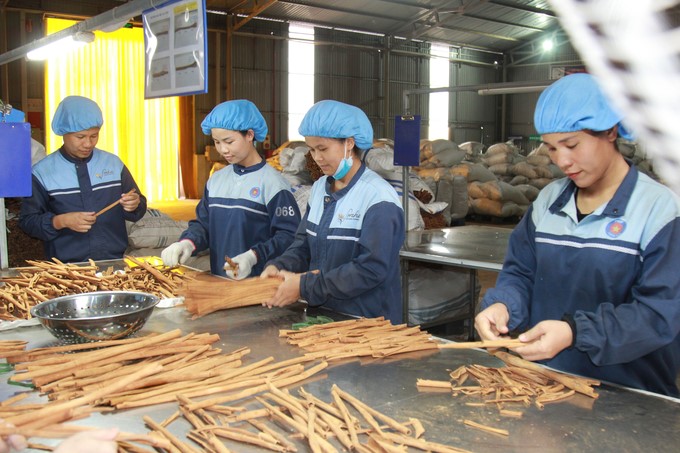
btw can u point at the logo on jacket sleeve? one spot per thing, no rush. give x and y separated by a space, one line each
615 228
255 192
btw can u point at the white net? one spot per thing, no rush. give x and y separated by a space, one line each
633 47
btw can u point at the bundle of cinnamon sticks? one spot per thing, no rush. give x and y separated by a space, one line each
206 293
45 280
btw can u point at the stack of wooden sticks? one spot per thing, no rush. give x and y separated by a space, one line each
346 423
148 370
206 293
365 337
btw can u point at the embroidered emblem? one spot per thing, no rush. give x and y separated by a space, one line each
615 228
103 174
255 192
350 215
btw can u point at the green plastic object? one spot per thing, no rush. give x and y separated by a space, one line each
312 320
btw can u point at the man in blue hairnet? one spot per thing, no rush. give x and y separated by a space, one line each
346 252
71 185
248 213
591 269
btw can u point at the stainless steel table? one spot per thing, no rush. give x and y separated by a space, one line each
469 247
620 420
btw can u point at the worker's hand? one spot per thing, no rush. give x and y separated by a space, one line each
130 201
270 271
11 442
243 265
492 323
288 292
547 339
177 253
80 222
100 441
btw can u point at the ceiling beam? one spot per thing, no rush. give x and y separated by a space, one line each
525 8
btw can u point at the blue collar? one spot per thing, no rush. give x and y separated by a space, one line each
75 160
616 206
342 192
241 170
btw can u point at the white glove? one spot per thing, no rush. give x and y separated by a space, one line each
245 262
177 253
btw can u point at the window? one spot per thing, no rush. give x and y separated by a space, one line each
439 102
300 75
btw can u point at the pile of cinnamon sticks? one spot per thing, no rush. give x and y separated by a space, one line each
518 383
346 423
45 280
364 337
78 379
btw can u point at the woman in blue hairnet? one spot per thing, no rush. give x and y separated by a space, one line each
346 252
71 185
247 212
592 268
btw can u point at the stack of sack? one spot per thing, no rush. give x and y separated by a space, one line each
502 182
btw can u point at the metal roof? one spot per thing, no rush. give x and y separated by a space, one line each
490 25
494 25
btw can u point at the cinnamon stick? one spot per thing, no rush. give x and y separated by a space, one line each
113 205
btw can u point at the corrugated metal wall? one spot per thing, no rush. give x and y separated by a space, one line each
520 107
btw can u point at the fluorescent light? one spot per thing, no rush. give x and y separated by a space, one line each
62 46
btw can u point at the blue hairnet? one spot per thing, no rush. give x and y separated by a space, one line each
333 119
238 115
15 116
575 103
75 114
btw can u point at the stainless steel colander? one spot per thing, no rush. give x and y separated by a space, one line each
105 315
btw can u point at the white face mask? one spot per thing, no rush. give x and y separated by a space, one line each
344 166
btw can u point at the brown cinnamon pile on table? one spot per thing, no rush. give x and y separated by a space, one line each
45 280
372 337
136 372
519 382
344 424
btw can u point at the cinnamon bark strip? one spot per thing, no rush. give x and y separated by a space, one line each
422 444
505 343
348 419
361 406
102 354
488 429
335 426
181 446
429 383
254 390
113 205
39 418
244 436
580 385
289 446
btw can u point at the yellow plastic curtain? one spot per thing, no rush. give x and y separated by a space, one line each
110 71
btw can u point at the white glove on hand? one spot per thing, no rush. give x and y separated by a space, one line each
177 253
245 262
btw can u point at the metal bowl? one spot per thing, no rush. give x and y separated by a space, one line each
105 315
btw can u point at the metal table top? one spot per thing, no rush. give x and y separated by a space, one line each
620 420
471 246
